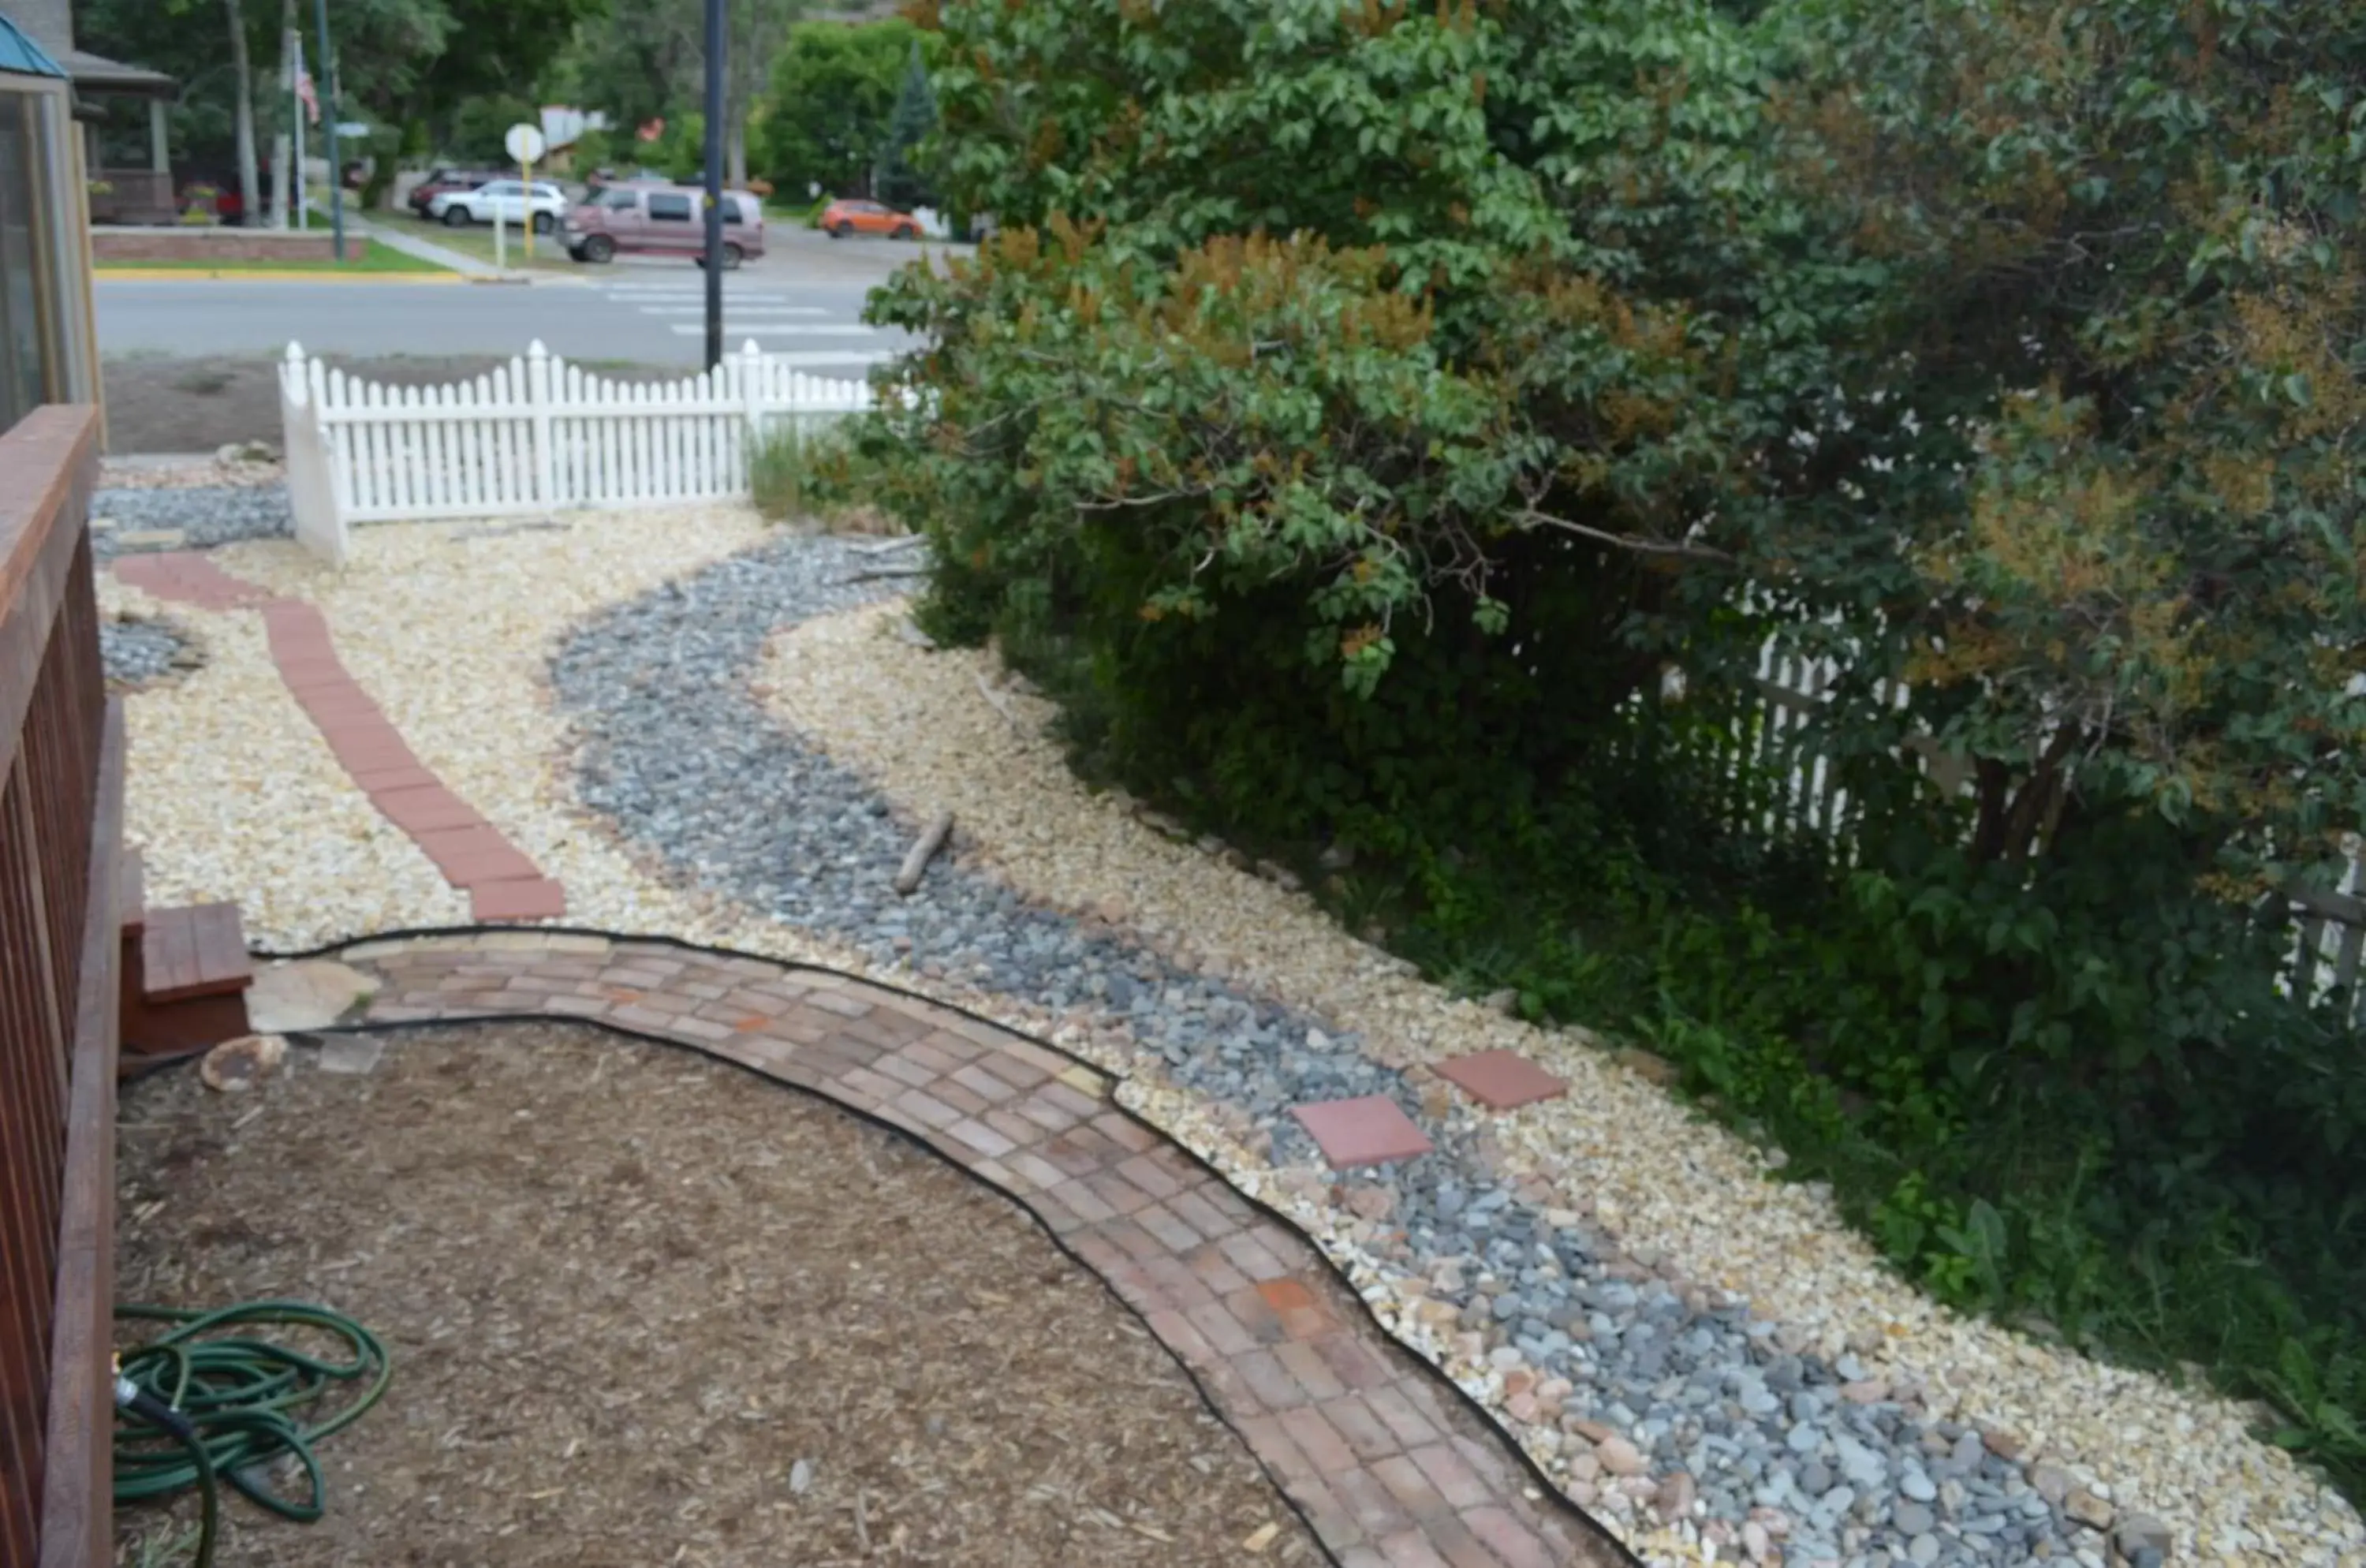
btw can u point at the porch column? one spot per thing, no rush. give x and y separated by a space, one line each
160 144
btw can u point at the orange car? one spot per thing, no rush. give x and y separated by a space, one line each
840 218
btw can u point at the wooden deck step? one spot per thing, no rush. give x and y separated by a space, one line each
195 951
135 893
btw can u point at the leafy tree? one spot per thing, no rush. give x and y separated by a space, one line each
914 119
834 91
1364 408
400 63
480 128
646 60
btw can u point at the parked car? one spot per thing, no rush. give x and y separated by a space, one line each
512 200
840 218
440 182
661 220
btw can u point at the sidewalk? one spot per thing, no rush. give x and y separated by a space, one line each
466 265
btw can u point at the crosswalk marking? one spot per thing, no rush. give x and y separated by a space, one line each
780 329
811 357
733 310
759 314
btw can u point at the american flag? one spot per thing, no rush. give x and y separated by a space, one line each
304 91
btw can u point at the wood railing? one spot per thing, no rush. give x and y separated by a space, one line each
60 837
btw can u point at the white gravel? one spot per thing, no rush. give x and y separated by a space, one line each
451 626
1617 1148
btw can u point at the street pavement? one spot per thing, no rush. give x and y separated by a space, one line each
804 302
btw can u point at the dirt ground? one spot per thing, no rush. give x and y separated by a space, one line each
646 1310
159 404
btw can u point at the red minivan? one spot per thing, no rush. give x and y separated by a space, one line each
661 220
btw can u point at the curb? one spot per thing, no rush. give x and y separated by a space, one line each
264 275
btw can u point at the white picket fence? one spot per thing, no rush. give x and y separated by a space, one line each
536 434
1773 737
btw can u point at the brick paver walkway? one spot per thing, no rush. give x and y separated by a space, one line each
500 881
1369 1443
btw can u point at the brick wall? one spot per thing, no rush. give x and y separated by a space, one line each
215 245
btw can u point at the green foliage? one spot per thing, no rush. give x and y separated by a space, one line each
902 180
398 62
834 91
788 473
1363 410
480 129
646 60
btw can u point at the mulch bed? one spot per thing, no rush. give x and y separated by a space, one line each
627 1290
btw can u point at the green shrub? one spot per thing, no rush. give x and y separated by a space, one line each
1361 411
806 470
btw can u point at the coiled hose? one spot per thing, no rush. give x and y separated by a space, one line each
192 1410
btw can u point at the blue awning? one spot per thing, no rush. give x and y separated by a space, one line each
22 56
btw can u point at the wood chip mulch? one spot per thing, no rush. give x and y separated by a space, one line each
648 1310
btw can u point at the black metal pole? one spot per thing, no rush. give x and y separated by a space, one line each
329 121
713 183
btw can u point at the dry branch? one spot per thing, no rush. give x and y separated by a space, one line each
1002 703
878 573
924 850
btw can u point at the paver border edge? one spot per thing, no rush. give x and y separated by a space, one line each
1552 1497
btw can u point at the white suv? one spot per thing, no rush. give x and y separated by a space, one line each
512 200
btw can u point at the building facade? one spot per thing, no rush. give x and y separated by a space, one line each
48 350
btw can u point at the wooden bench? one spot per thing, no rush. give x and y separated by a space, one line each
185 973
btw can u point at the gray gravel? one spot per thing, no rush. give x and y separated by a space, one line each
205 515
688 762
136 652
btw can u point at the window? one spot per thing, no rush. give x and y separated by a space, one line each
500 187
620 200
731 213
548 193
31 362
665 207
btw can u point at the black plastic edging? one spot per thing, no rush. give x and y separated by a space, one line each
1550 1488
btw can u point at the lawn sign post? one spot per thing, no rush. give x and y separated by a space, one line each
525 144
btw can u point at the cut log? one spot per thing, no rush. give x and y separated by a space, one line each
924 850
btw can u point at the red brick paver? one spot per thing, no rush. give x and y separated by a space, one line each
1364 1437
1368 1130
1502 1080
502 882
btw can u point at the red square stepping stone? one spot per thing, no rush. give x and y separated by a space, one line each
539 900
1368 1130
1501 1081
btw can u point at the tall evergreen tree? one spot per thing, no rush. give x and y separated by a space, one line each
899 182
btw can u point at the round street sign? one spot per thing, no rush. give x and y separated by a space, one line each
524 142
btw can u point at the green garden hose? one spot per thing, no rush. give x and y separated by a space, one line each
194 1410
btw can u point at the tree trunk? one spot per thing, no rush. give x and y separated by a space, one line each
283 147
734 153
250 185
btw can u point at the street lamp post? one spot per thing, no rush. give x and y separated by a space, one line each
329 122
713 183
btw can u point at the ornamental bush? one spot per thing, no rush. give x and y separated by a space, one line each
1410 427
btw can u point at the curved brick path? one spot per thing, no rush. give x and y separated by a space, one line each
500 881
1387 1464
